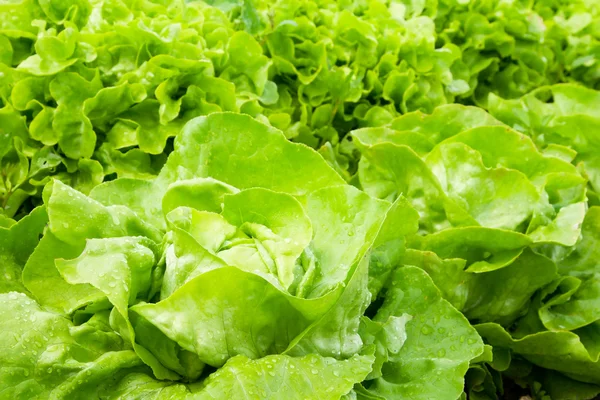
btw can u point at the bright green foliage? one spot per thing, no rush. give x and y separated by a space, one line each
299 199
97 89
460 175
563 121
271 281
435 347
505 231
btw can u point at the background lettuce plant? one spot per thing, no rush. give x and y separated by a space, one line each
93 90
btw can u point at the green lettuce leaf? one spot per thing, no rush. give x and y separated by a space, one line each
46 356
435 343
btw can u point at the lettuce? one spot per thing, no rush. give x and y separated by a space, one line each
323 199
561 120
279 286
95 90
518 262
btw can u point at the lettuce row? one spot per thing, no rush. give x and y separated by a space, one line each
407 56
92 90
249 253
231 253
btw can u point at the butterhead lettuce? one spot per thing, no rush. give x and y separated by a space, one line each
313 199
278 287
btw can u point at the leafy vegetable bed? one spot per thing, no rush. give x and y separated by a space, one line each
369 199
